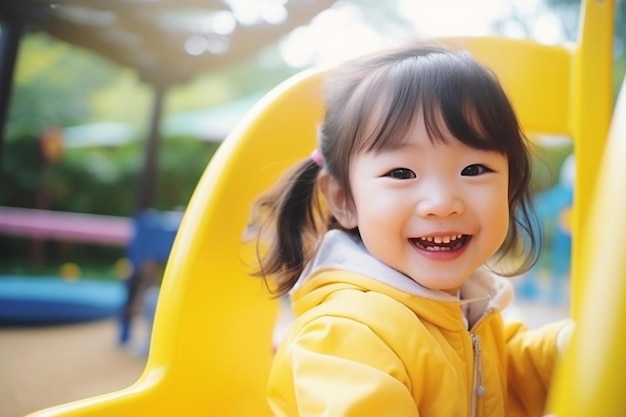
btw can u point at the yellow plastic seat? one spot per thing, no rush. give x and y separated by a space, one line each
211 345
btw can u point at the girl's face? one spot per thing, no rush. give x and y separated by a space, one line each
433 210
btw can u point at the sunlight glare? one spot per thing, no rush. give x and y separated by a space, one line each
318 44
547 29
340 32
251 12
452 17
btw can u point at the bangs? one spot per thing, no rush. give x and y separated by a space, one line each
454 95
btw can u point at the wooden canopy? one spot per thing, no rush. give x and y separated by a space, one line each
166 41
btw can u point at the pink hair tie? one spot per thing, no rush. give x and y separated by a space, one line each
317 157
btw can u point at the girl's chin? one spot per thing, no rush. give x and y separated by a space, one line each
444 284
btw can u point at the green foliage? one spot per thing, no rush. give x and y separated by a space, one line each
123 99
101 180
52 86
104 180
58 84
20 176
238 81
182 162
547 161
619 74
95 180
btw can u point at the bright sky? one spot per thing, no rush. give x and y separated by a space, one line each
338 33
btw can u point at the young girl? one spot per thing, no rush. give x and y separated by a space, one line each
424 174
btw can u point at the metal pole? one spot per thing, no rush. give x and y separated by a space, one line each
9 45
147 178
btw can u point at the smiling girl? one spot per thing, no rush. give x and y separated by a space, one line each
423 174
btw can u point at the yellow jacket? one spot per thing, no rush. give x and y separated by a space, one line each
368 341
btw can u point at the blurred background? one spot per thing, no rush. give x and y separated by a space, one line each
110 111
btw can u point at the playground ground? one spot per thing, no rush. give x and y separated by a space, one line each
45 366
49 365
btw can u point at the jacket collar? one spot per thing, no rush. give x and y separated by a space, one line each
339 250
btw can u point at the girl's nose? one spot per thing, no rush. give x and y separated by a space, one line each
440 200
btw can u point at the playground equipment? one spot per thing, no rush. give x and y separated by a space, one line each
211 346
148 238
53 300
554 207
65 226
592 376
148 250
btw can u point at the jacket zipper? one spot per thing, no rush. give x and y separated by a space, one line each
478 389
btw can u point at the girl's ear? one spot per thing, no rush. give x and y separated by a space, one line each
340 207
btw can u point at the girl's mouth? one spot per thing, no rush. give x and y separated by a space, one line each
440 243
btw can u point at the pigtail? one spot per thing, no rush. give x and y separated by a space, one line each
290 223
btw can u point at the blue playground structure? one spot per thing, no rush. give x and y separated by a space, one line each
548 281
52 300
148 250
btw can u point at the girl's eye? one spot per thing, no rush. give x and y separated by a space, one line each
401 174
475 169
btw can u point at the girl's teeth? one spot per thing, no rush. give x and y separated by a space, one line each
441 239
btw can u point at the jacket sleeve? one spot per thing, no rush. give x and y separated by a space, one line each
531 359
335 366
